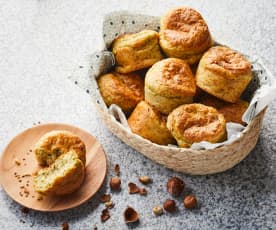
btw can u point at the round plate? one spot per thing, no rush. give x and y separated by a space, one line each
18 163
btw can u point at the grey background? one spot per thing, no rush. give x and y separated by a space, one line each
41 44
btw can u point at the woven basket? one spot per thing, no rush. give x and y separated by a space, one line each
190 161
195 162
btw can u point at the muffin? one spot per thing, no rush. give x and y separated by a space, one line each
195 123
52 144
136 51
150 124
223 73
63 177
184 34
168 84
232 112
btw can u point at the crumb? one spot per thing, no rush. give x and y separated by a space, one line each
17 161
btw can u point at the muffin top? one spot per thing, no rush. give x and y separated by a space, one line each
196 123
223 60
185 26
171 77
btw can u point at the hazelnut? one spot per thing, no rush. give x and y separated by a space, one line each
175 186
131 215
115 183
190 202
169 205
109 204
145 179
157 210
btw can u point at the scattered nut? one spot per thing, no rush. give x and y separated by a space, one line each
130 215
109 204
65 226
169 205
115 183
17 161
105 215
105 198
132 188
117 169
145 179
157 210
175 186
190 202
143 191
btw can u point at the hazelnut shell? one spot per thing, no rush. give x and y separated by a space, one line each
130 215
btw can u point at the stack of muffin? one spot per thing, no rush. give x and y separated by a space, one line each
175 86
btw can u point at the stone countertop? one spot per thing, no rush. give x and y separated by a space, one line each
41 44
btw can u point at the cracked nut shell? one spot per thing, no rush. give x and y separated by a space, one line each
130 215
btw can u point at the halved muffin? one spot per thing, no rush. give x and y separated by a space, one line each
62 177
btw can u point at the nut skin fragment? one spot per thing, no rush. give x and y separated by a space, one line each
105 215
17 161
143 191
115 183
65 226
157 210
145 179
190 202
169 205
133 188
130 215
175 186
117 169
105 198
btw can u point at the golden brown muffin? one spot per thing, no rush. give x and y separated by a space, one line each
150 124
64 176
223 73
124 90
184 34
231 111
52 144
195 123
168 84
136 51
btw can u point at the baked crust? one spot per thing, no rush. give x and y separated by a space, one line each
231 111
136 51
124 90
150 124
55 143
184 34
195 123
168 84
223 73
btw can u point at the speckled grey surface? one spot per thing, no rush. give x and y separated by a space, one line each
42 42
